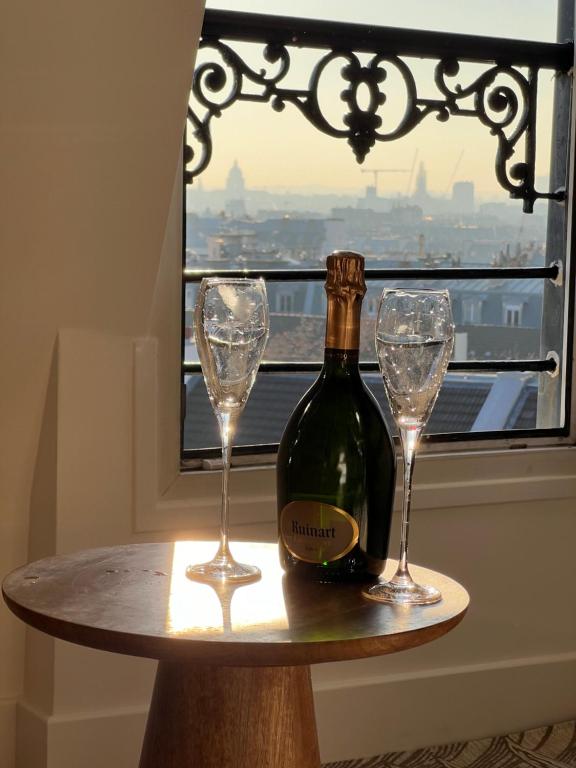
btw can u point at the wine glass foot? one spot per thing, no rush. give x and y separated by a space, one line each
221 572
403 594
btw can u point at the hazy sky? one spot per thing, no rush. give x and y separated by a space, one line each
284 151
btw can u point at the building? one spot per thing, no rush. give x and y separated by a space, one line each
463 197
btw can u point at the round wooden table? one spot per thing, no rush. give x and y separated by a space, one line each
233 682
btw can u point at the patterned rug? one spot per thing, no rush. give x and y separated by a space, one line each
552 746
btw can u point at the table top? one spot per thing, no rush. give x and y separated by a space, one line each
136 599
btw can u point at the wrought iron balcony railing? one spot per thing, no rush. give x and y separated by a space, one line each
503 97
551 272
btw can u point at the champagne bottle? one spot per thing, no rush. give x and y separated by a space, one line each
336 461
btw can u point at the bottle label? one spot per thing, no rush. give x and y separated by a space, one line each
316 532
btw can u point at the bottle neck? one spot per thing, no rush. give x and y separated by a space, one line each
340 362
343 322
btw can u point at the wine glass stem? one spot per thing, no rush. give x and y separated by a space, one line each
409 437
227 424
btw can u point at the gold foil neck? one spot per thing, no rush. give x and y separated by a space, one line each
345 288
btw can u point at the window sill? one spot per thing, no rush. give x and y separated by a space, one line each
464 479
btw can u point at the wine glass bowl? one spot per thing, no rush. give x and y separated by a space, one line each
231 322
231 327
414 342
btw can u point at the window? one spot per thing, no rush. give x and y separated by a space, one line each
471 310
513 315
284 303
503 260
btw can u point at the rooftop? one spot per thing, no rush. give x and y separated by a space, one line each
458 409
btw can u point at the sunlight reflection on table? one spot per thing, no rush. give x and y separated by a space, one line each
196 607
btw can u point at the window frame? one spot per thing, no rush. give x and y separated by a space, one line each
467 441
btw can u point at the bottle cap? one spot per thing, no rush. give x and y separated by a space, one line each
345 273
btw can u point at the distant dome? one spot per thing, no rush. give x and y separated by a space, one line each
235 183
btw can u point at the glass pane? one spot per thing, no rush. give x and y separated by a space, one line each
462 406
495 319
523 19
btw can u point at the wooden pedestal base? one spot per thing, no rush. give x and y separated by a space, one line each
231 717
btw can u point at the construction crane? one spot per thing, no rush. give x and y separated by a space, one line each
378 171
451 179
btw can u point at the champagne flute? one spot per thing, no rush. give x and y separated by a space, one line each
231 326
414 341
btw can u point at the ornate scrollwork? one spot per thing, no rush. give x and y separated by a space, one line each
515 112
217 86
503 98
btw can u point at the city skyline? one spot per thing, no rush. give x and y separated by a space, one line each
361 191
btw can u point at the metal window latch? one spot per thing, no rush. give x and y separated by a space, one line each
558 281
553 372
560 196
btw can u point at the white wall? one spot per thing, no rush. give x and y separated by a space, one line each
93 104
93 101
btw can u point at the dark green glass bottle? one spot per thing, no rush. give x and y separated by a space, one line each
336 466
